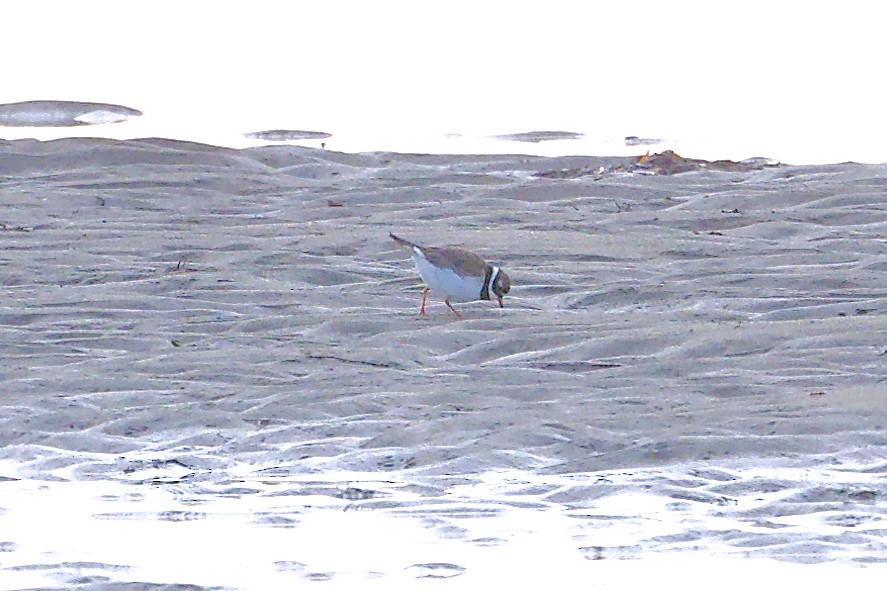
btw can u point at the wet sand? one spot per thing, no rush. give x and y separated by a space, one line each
62 114
218 312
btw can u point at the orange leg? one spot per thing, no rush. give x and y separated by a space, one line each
424 297
450 306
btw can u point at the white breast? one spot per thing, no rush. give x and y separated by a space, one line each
445 282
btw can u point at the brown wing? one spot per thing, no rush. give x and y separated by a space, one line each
465 262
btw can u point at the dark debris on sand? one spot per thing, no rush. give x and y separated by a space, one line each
662 164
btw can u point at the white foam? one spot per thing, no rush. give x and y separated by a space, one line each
101 116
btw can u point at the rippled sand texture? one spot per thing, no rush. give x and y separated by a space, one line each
172 302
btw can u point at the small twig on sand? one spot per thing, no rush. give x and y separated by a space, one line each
353 361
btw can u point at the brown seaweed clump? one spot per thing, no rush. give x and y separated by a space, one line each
663 163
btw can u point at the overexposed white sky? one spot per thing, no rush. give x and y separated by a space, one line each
660 68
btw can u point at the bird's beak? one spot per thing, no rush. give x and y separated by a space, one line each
501 302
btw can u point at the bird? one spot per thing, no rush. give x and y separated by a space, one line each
456 274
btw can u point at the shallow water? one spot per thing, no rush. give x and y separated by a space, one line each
713 82
171 525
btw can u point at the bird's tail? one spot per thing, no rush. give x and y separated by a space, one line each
403 242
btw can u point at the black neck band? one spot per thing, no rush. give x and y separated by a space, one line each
485 290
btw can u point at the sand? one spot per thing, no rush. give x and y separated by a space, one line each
705 338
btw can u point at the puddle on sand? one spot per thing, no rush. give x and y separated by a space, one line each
610 530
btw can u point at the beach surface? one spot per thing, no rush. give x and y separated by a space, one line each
202 337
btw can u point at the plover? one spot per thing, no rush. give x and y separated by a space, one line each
457 274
